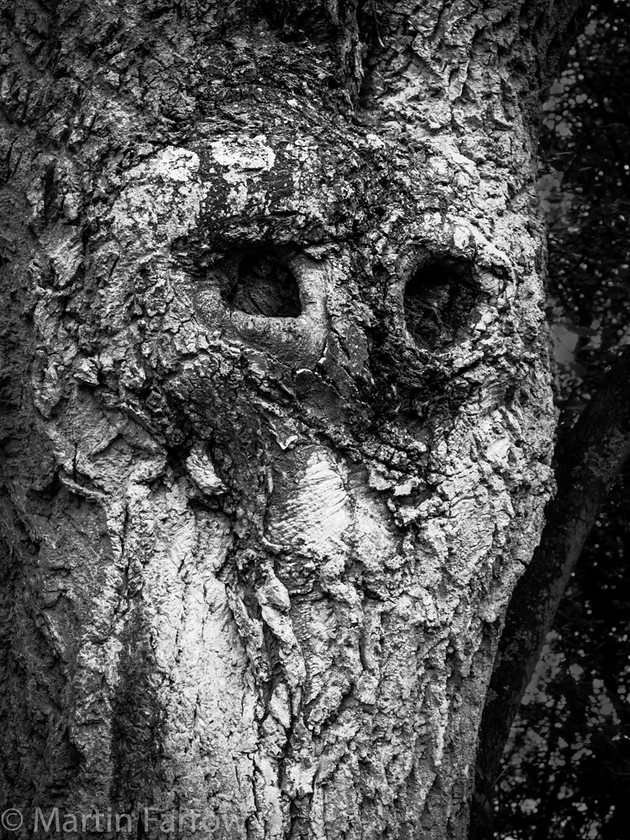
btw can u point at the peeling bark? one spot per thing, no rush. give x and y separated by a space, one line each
278 414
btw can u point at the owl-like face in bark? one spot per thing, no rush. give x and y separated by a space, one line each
347 289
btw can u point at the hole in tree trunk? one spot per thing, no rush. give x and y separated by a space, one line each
438 301
263 285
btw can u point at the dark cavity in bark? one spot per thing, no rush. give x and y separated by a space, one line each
439 298
260 283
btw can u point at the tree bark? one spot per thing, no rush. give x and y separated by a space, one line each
277 410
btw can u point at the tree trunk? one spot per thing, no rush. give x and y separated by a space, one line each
277 413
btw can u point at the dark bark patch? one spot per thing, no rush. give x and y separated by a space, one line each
262 285
137 725
297 20
438 301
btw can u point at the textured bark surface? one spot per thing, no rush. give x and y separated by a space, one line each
277 415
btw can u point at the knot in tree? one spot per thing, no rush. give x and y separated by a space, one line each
260 283
438 301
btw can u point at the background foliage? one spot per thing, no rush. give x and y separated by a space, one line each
567 769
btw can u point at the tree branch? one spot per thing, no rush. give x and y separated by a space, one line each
589 460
